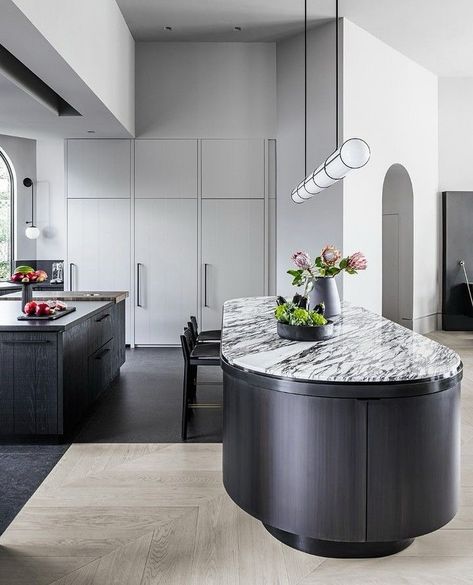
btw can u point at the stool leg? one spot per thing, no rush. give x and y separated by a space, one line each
193 381
185 400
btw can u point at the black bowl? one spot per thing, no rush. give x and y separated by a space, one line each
306 332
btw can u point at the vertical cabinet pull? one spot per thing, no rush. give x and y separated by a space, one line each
71 272
205 285
138 284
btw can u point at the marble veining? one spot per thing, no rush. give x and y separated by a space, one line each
365 348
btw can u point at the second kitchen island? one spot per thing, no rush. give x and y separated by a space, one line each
53 371
347 447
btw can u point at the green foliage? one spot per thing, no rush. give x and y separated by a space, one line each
291 314
297 277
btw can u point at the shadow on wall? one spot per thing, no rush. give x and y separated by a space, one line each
398 246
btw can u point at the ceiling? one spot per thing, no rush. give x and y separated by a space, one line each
431 32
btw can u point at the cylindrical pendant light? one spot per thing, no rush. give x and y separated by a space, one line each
353 154
31 232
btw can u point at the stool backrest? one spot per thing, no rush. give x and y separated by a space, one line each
195 327
187 344
193 332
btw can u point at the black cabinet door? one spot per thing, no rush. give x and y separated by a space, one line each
296 462
28 383
413 464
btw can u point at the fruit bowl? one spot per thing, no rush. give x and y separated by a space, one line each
26 276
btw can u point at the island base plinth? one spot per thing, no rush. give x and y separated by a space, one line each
339 550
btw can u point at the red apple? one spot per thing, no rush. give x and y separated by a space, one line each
16 277
42 309
41 275
30 308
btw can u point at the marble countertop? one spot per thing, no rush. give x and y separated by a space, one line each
366 348
84 310
65 295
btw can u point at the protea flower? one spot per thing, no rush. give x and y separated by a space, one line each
357 261
301 260
330 255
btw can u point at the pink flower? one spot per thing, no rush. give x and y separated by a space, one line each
301 260
357 261
330 255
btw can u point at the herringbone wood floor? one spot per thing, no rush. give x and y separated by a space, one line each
148 514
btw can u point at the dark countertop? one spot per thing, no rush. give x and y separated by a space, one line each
114 296
84 309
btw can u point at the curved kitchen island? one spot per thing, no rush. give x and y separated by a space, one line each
343 448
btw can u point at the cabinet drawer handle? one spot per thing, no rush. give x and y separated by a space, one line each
102 353
25 341
138 284
71 266
205 285
102 318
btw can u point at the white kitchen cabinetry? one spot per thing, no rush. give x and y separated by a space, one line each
232 254
99 244
166 268
233 169
165 168
99 168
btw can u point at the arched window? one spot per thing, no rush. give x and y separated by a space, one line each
6 217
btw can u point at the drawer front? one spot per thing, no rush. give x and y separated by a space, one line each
101 329
100 370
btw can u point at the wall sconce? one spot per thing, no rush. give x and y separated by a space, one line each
31 232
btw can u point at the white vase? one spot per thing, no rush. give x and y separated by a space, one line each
325 291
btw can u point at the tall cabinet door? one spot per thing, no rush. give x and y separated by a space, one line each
166 264
232 254
99 247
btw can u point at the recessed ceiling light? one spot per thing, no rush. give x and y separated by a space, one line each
167 28
237 28
90 131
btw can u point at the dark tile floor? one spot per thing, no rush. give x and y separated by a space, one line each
142 406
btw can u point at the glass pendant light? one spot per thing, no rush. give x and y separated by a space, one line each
353 154
31 232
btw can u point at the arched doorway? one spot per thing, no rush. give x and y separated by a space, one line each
398 246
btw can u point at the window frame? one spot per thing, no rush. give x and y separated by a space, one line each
11 173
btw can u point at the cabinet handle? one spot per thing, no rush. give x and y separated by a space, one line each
138 284
102 318
102 353
71 266
205 285
25 341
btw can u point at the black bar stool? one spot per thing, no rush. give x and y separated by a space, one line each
202 354
204 336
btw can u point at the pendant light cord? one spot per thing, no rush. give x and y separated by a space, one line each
305 88
337 138
32 204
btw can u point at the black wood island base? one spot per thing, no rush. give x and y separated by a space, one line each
52 371
344 448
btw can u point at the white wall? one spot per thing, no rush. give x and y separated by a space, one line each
205 90
51 203
313 224
93 38
456 133
392 103
22 154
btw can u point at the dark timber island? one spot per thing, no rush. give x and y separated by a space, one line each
51 372
344 448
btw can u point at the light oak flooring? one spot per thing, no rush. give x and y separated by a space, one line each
149 514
